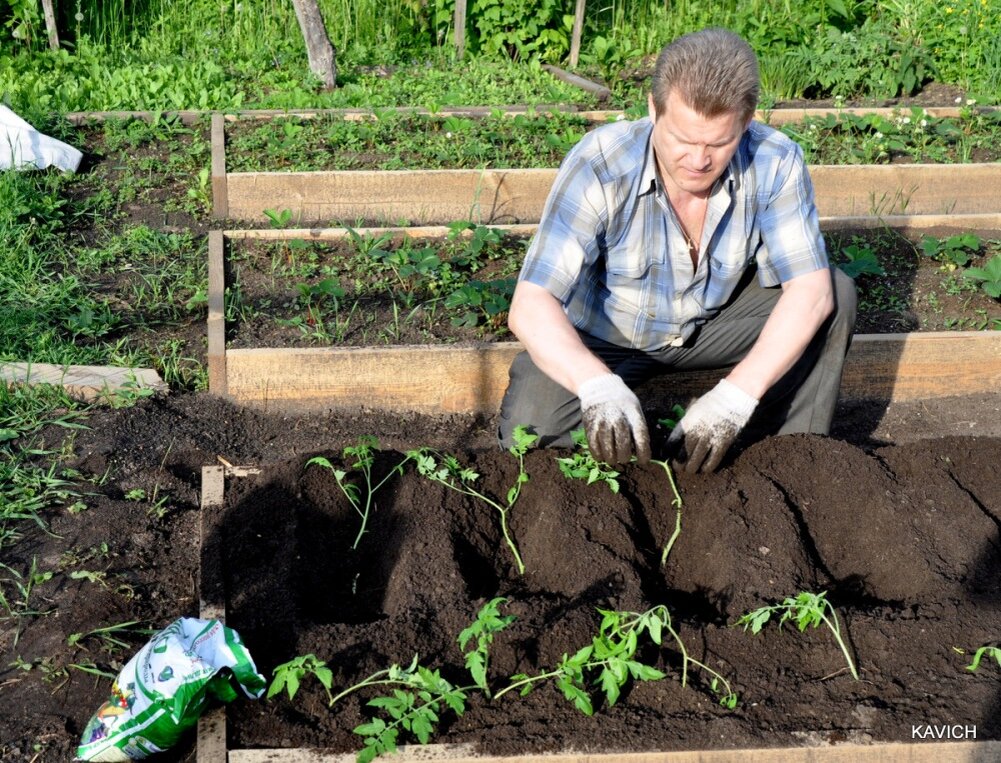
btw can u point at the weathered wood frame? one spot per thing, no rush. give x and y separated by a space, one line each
518 195
472 378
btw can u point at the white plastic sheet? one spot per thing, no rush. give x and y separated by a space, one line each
24 147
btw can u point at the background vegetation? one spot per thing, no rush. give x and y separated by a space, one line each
218 54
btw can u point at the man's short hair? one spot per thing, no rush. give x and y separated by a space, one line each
714 71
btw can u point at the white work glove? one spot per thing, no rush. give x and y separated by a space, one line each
613 420
710 426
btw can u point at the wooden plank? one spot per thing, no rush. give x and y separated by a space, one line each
472 378
923 365
220 190
917 752
211 734
216 329
887 189
423 197
86 383
774 117
432 196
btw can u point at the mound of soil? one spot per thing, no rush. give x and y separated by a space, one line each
895 516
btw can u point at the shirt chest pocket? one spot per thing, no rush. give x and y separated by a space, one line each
629 281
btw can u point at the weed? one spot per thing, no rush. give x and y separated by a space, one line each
278 218
363 454
583 466
107 637
447 470
804 609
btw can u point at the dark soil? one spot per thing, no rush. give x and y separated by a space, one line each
896 515
377 306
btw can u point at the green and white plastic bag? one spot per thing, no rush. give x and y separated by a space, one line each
166 686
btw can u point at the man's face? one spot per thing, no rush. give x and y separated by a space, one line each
693 150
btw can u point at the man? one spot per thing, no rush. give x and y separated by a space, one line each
688 240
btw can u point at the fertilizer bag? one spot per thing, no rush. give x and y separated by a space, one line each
166 686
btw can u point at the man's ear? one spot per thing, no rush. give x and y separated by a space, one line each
650 108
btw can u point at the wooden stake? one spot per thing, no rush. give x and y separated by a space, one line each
459 33
578 26
50 24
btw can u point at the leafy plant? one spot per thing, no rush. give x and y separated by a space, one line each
278 218
805 609
860 260
363 453
677 503
488 301
953 252
447 470
289 675
583 466
610 661
989 276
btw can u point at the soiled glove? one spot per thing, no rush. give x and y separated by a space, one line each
613 420
710 426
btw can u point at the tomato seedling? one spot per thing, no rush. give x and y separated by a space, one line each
364 454
447 470
804 609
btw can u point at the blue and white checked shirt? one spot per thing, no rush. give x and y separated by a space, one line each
609 248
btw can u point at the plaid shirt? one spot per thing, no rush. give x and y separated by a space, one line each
610 249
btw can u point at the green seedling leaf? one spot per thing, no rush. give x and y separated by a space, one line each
989 651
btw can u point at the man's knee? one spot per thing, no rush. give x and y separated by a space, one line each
536 402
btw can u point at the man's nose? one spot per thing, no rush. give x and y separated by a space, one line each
700 158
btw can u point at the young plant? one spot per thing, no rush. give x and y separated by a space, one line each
419 693
804 609
953 252
989 276
363 454
860 260
677 503
488 622
583 466
610 661
447 470
989 651
289 675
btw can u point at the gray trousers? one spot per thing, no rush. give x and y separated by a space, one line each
803 400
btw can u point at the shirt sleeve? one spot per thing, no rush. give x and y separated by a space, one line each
572 225
792 244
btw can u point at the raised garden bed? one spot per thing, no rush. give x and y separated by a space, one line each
771 523
305 363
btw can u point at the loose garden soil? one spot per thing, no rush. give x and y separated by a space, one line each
896 515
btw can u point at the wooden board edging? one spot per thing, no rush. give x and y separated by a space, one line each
897 752
439 379
494 196
216 326
774 117
86 383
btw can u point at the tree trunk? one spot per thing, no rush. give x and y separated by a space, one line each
322 56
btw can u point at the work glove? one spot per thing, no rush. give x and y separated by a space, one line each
710 426
613 420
